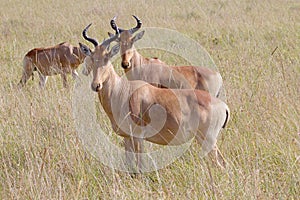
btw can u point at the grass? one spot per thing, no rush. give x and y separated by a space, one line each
256 46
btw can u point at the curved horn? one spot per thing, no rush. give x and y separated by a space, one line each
114 25
93 41
138 25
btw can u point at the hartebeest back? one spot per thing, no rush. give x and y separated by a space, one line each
60 59
130 105
155 71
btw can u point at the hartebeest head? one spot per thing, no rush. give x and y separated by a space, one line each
127 39
99 59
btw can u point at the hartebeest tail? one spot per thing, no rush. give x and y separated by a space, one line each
227 118
137 67
136 109
60 59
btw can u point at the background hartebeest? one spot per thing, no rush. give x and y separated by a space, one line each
155 71
136 108
61 59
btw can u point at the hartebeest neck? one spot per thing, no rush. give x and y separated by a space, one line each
137 59
79 54
114 87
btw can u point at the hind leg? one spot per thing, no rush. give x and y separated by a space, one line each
209 147
27 73
217 157
43 80
24 79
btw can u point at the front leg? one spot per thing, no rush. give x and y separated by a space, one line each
76 77
43 80
135 108
133 151
64 79
130 161
139 150
75 74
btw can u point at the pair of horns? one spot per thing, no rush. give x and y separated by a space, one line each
132 30
94 41
115 27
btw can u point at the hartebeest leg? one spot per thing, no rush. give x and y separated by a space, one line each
133 150
129 152
24 78
217 157
27 72
139 150
43 80
210 148
64 79
75 75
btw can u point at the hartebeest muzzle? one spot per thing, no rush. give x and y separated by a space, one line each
96 87
125 65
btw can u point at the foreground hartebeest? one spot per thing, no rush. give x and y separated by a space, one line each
155 71
60 59
137 110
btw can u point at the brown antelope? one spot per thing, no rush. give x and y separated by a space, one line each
136 108
61 59
155 71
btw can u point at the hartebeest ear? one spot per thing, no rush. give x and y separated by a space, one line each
112 35
85 49
114 50
138 36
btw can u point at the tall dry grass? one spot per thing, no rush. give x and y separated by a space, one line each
256 46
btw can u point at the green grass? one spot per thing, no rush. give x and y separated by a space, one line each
42 157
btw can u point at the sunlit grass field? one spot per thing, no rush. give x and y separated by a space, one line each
256 47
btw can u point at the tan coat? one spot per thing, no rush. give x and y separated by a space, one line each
60 59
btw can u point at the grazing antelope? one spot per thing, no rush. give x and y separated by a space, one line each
153 70
60 59
136 109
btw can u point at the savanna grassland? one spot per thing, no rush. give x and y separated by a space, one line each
256 47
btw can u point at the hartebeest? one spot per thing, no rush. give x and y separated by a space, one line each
61 59
155 71
137 109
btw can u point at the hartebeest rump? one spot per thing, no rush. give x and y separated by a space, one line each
188 112
155 71
61 59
